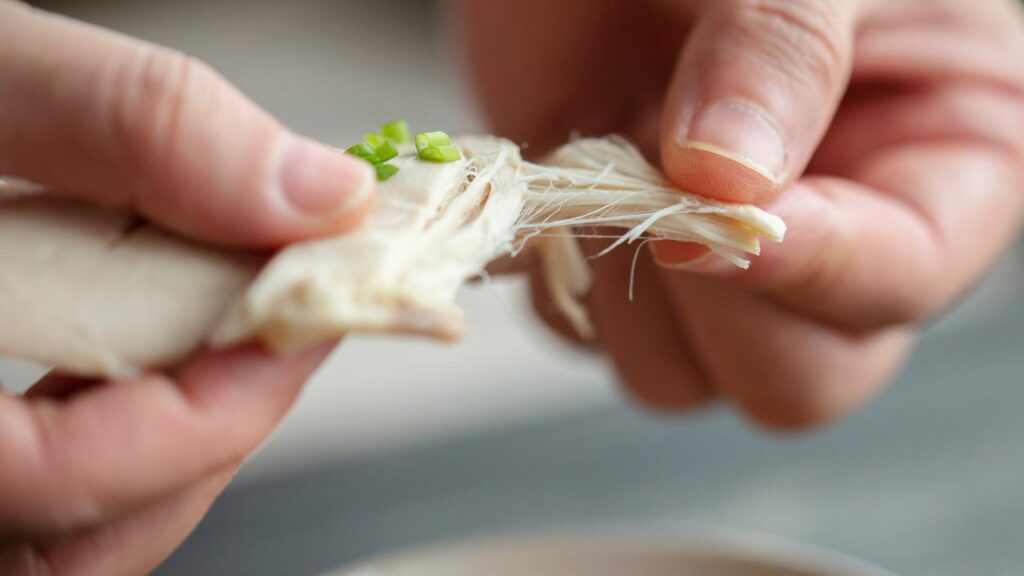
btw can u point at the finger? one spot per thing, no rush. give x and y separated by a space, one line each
944 42
122 122
875 118
782 370
75 463
753 93
643 341
545 307
134 544
553 80
938 215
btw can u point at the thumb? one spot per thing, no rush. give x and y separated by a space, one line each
753 93
117 121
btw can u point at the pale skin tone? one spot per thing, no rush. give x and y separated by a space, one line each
915 190
107 478
888 134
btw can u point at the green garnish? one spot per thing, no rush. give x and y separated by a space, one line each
385 171
377 150
385 151
396 132
426 140
365 152
436 147
382 146
440 154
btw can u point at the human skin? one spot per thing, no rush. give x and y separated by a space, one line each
889 135
107 478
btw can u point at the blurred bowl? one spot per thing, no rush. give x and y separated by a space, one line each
611 554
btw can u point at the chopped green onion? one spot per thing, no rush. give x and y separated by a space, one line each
440 154
365 152
385 151
397 132
379 148
385 171
431 140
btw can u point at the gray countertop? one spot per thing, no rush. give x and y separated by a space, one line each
927 480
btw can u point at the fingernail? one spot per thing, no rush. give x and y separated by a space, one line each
673 254
709 264
319 180
741 131
687 264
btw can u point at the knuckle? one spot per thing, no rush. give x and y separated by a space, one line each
900 304
154 89
811 32
845 282
44 497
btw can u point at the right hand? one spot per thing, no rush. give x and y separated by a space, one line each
108 478
889 135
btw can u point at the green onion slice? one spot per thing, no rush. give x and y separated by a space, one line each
431 140
385 171
365 152
440 154
385 151
396 132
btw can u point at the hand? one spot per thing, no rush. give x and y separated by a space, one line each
107 478
889 136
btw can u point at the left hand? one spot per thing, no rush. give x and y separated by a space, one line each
107 478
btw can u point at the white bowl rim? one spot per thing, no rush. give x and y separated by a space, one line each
735 542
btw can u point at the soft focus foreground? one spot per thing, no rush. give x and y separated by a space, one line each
400 442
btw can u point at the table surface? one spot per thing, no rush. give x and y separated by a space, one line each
925 481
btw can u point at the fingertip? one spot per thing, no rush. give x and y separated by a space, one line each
329 188
672 254
711 172
753 93
305 190
693 259
668 398
731 150
310 191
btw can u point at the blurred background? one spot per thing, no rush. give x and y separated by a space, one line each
400 442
